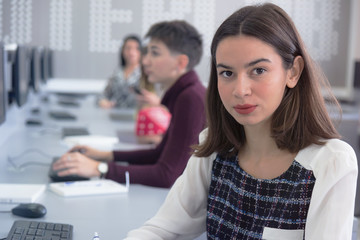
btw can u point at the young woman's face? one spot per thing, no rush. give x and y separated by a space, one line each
251 79
160 65
131 52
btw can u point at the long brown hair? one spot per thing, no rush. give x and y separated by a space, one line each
301 118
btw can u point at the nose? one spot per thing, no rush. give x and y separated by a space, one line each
242 87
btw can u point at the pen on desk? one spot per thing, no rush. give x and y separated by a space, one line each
96 236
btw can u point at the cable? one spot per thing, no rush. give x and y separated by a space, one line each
22 166
30 150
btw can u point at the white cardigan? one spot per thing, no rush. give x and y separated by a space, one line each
330 215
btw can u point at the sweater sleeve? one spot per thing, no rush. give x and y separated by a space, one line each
331 211
183 214
160 167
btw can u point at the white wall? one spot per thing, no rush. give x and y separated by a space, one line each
357 41
85 34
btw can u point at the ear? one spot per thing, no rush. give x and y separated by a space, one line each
183 61
295 71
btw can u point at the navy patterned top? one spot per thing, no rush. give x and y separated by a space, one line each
240 206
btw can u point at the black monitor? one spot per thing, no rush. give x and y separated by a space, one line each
20 75
357 75
46 64
35 69
3 91
50 63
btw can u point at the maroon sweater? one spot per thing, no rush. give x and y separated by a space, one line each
161 166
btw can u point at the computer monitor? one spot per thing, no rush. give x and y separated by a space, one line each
3 91
46 65
50 63
357 75
20 75
35 69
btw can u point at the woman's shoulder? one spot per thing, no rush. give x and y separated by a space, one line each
336 145
330 146
118 71
116 75
203 135
335 154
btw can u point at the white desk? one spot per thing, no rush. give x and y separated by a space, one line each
72 85
112 216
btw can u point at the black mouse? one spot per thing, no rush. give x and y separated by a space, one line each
33 122
35 110
29 210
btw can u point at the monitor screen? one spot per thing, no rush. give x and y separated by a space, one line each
46 64
50 63
20 75
35 77
2 84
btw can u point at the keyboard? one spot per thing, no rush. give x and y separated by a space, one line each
74 131
68 103
126 117
23 230
62 115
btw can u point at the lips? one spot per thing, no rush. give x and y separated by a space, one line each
245 109
146 71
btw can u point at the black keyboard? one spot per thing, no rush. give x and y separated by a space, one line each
23 230
62 115
74 131
126 117
68 103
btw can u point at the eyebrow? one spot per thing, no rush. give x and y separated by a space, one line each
257 61
220 65
154 47
252 63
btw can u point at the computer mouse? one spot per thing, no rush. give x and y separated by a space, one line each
33 122
29 210
35 110
45 99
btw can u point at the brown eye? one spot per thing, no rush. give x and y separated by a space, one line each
226 74
259 71
154 53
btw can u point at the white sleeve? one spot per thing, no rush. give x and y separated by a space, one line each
183 214
331 210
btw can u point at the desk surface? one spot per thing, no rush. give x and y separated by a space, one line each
71 85
112 216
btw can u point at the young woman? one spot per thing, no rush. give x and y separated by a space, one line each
270 165
118 92
175 48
